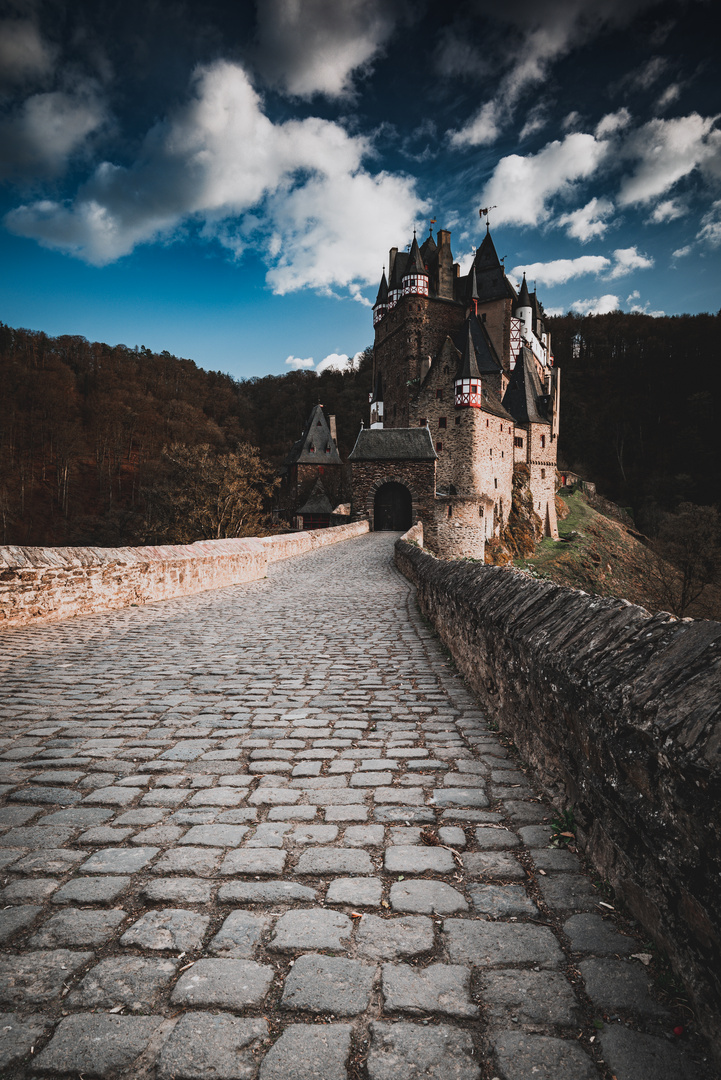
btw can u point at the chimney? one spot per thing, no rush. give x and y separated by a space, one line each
331 425
391 261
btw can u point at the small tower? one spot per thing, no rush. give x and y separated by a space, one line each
524 311
377 403
381 305
468 377
415 275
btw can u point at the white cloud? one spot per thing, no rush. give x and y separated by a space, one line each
668 210
23 52
543 34
311 47
647 75
335 362
219 157
669 95
588 221
560 270
626 260
641 309
612 122
635 295
571 121
47 129
710 231
598 305
297 364
667 150
535 121
521 187
681 252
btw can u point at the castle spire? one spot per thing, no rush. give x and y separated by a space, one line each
381 305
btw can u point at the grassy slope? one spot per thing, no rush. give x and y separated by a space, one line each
600 557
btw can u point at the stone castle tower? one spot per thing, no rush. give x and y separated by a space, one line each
464 392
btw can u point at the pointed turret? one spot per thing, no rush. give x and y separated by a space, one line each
381 305
395 277
468 377
415 276
473 290
524 310
490 274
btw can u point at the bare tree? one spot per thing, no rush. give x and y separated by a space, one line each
686 559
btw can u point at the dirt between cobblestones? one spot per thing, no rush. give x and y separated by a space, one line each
216 707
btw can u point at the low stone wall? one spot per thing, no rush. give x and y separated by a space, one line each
285 545
39 584
619 712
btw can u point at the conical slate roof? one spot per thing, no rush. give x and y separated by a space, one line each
524 299
415 264
468 365
487 361
382 297
525 397
316 435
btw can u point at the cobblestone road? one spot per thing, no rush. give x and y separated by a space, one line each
214 860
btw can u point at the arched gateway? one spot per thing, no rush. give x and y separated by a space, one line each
392 508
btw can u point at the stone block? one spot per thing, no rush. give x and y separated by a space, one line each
35 977
189 860
239 935
535 1000
311 928
493 864
77 926
170 928
495 944
133 981
633 1056
358 891
569 892
100 890
519 1056
119 860
412 859
97 1044
308 1052
264 892
327 984
254 861
592 934
15 919
438 988
334 860
402 1051
502 901
394 939
225 984
212 1046
18 1036
619 986
495 839
427 897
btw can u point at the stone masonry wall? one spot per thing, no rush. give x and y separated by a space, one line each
619 713
40 584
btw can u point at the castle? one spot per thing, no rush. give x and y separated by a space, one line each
464 392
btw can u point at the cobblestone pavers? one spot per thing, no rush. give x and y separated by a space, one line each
266 833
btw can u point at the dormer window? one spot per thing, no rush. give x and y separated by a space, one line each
311 449
327 449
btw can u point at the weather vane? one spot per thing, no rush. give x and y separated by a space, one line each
485 211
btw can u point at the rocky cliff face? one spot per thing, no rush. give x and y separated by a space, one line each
619 712
523 528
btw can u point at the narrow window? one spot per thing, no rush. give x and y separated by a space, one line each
439 395
543 474
474 388
503 453
543 440
458 420
450 510
495 483
480 511
441 421
439 446
486 423
422 422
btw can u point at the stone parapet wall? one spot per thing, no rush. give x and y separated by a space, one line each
40 584
619 712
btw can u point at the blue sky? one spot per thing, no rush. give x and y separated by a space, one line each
224 180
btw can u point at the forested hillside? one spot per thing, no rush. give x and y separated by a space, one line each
109 445
99 443
640 407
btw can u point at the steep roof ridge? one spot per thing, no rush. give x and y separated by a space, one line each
382 297
524 394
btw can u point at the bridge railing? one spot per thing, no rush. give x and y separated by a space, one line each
619 712
39 584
